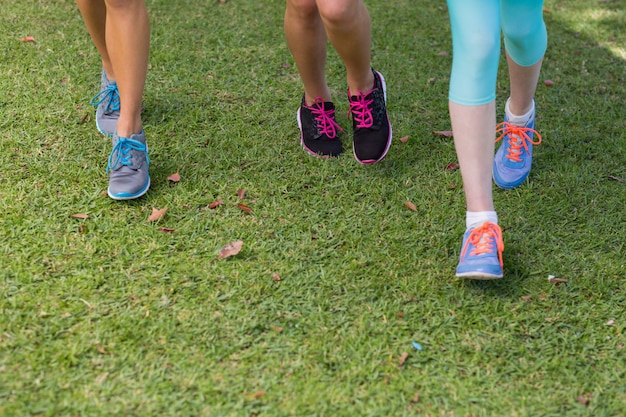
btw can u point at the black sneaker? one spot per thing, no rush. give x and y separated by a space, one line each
318 129
370 123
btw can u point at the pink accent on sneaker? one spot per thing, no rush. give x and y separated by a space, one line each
325 122
361 110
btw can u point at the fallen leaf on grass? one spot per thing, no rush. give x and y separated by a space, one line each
28 39
157 214
277 329
244 207
167 230
614 178
554 280
584 399
446 133
175 177
548 83
410 206
610 322
400 314
416 397
403 358
80 216
452 167
526 297
404 139
241 193
101 350
276 277
442 53
231 249
258 394
215 204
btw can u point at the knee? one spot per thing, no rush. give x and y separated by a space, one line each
338 13
478 50
303 8
121 4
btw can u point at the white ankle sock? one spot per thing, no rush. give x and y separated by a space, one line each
476 218
516 120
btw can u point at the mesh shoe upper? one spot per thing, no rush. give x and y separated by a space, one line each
513 159
128 167
319 130
370 123
481 253
107 103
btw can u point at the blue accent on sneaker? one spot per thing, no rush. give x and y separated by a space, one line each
481 253
128 167
107 103
513 159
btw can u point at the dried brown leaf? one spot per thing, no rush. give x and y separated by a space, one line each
446 133
400 314
258 394
157 214
614 178
403 358
167 230
410 206
416 397
276 277
404 139
584 399
80 216
548 83
442 53
28 39
101 350
452 167
241 193
215 204
175 177
244 207
526 297
231 249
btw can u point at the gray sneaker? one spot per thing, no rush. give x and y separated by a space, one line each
107 103
128 167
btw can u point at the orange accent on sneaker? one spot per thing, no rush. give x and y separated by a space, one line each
516 132
481 237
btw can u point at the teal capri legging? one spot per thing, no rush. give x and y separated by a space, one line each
476 28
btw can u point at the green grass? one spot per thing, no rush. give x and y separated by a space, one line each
110 316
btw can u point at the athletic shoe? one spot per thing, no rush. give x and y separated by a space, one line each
107 103
370 123
513 160
318 129
128 167
481 253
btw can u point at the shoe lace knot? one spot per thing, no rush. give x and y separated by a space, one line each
325 120
122 153
483 238
518 137
361 109
110 95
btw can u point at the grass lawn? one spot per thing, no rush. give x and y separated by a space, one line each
112 315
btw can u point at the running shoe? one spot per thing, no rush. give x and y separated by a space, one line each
513 159
370 123
107 103
481 253
318 128
128 167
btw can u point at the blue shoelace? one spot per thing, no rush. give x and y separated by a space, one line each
112 94
122 151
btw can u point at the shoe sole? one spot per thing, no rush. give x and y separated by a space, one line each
120 197
373 161
480 276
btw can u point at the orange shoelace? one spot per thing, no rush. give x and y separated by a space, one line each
482 238
518 137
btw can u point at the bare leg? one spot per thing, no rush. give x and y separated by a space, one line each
348 27
94 15
523 85
128 43
474 128
306 39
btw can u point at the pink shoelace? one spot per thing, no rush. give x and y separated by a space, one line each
325 119
361 110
